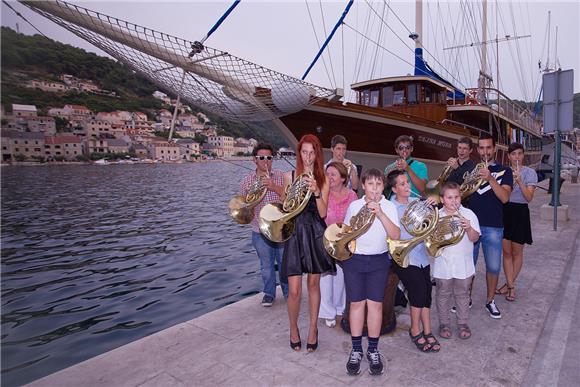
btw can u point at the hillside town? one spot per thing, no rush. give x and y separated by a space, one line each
75 133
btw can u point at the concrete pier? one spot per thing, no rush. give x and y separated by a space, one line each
534 343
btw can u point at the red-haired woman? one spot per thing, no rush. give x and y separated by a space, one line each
304 251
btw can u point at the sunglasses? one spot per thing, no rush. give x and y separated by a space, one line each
404 147
264 157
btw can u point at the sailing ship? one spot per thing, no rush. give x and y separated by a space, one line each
424 105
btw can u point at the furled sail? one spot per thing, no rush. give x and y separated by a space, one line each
205 77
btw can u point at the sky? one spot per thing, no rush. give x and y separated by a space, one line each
285 36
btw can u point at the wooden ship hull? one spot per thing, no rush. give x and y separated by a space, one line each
434 121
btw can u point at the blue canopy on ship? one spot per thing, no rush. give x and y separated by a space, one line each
422 68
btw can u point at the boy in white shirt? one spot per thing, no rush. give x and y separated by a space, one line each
454 269
366 272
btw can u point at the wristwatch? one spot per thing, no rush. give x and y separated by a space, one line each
318 196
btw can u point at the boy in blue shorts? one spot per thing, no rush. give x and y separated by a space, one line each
366 272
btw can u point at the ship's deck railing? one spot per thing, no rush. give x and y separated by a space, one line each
465 126
506 107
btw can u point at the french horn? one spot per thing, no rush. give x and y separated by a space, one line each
340 239
448 232
434 186
420 219
471 181
242 207
276 220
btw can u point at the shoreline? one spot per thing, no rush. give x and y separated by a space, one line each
145 161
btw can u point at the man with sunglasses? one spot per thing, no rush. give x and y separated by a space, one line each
415 170
268 252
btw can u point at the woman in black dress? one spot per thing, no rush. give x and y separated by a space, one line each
304 251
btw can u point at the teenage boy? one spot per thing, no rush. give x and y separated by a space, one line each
338 146
416 171
366 272
462 163
487 204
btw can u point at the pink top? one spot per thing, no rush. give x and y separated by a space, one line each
337 209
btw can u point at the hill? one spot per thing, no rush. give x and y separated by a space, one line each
27 57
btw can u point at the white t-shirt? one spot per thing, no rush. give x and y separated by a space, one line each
374 241
457 261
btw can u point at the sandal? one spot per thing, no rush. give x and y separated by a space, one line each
423 347
503 290
296 346
464 331
433 343
511 293
445 331
312 347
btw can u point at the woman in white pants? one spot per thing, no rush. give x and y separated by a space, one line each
332 292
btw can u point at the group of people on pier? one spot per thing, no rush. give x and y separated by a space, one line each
495 217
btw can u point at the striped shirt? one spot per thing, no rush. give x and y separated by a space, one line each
271 196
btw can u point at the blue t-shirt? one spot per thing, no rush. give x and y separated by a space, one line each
416 166
487 206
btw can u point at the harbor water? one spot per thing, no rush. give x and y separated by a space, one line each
94 257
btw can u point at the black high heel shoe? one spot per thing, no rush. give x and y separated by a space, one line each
312 347
297 346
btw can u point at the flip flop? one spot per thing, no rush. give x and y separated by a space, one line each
511 294
503 290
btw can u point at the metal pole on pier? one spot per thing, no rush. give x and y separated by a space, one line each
557 151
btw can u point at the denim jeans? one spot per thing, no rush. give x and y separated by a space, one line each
490 239
269 253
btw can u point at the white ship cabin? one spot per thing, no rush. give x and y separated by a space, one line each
419 96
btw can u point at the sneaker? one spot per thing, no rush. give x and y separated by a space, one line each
330 322
375 362
353 364
267 300
493 310
454 309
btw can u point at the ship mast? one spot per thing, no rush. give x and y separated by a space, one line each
419 24
484 80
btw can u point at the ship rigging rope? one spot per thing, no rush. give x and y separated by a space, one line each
23 18
329 38
442 67
377 48
342 43
525 90
451 60
388 26
398 18
220 20
391 52
363 48
216 81
318 43
326 34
